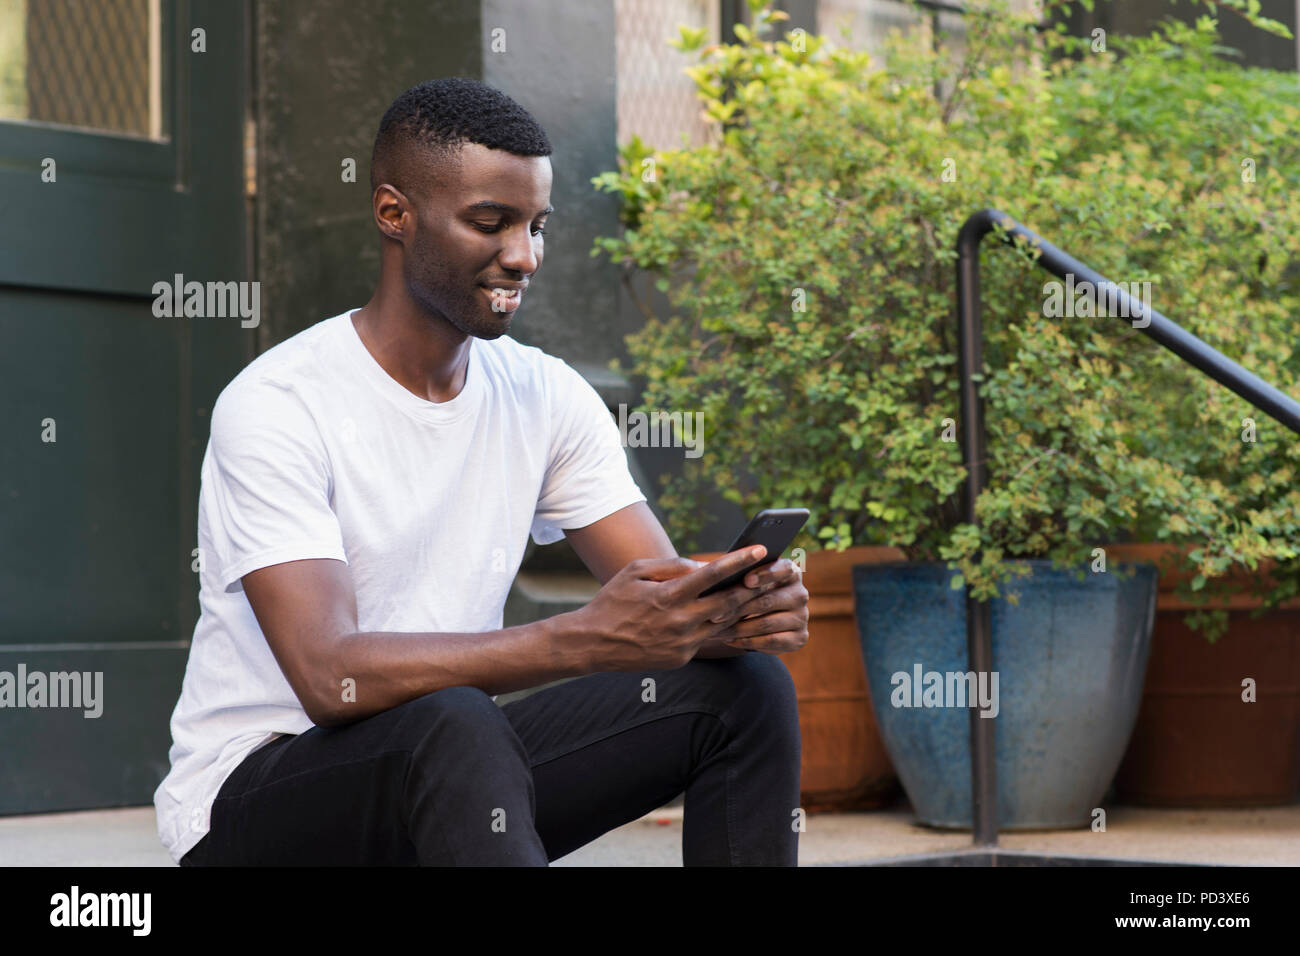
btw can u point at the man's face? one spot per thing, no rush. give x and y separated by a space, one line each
480 232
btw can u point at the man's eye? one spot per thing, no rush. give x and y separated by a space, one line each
538 231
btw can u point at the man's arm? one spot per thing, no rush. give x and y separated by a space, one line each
307 611
613 541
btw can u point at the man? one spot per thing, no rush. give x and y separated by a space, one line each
367 492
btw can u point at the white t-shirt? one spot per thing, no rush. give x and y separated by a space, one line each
316 452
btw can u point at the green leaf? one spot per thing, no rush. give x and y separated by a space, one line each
689 39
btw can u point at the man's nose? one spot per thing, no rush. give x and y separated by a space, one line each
521 252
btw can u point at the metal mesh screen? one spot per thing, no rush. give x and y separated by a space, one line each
88 63
656 100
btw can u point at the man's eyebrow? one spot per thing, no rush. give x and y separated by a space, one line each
488 204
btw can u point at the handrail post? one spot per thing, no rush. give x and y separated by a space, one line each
979 616
979 631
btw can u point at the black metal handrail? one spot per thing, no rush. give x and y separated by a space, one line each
979 631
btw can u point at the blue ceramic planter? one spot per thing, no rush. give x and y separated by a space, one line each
1069 663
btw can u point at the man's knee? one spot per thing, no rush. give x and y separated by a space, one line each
756 682
769 672
464 714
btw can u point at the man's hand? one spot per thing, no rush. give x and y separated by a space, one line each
650 614
774 619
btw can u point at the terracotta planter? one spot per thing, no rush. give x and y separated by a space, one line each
844 766
1196 742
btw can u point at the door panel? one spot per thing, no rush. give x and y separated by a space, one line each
97 526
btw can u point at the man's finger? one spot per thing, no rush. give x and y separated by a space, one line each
780 571
770 623
768 600
666 569
719 569
782 642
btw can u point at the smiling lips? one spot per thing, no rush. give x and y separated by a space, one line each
504 299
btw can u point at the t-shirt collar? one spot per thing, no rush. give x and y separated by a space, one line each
435 412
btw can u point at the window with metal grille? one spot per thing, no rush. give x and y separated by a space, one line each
94 64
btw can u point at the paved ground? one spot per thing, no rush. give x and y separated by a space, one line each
1265 836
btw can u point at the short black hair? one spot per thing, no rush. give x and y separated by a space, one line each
424 127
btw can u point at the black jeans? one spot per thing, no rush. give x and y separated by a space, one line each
453 779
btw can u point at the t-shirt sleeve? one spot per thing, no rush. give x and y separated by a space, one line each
266 485
587 476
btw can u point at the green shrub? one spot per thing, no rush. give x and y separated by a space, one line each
839 186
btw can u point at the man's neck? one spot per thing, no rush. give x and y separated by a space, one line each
426 356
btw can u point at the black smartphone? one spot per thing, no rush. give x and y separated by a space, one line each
774 529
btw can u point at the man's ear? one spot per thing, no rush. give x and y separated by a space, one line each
394 214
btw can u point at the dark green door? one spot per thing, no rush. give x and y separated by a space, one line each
121 167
